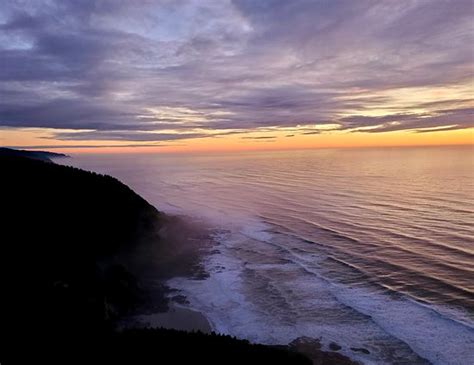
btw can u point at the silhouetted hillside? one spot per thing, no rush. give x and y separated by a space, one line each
36 155
63 283
61 229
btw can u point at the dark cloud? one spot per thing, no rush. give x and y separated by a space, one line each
260 137
161 70
124 136
441 129
449 119
62 146
312 132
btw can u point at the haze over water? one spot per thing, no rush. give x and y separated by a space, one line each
368 248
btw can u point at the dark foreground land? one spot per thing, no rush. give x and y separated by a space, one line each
66 281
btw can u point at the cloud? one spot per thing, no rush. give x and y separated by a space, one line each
161 70
81 146
452 119
124 136
260 137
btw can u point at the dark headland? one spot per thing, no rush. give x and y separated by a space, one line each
75 250
35 155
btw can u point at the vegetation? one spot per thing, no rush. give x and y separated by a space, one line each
64 284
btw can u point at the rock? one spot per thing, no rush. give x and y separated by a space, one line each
180 299
360 349
311 347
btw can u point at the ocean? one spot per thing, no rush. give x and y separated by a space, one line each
372 249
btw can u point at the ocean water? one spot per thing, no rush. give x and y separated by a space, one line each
367 248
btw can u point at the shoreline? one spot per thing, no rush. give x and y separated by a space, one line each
186 260
176 317
184 241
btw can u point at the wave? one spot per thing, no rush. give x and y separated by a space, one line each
271 313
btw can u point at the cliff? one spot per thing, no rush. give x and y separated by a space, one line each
64 283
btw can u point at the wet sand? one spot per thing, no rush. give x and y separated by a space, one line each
176 317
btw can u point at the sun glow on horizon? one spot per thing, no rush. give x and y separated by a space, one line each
289 139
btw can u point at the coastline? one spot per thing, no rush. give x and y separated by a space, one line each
176 318
66 296
114 269
177 248
187 242
183 244
247 258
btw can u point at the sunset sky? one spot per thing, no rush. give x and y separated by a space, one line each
182 75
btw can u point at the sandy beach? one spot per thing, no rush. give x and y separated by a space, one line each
176 317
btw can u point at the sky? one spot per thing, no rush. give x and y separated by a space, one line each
192 75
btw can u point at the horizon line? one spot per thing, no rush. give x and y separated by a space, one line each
82 149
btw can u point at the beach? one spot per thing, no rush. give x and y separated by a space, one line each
177 318
174 250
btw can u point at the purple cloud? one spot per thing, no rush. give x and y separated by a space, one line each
108 68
